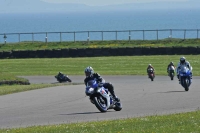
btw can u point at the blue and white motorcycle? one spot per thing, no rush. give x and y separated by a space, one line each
185 77
100 96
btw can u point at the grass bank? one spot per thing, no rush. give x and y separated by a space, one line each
9 89
174 123
118 65
121 65
170 42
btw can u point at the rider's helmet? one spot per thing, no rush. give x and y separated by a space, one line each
171 63
182 60
149 65
89 71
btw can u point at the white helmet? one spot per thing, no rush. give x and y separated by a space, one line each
89 71
182 60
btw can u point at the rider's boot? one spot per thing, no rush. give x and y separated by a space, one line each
115 97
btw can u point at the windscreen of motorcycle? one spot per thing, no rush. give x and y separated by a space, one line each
92 83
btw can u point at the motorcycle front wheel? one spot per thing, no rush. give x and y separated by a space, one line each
100 103
172 76
185 84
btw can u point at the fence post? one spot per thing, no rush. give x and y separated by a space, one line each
60 37
32 37
88 38
4 38
116 35
19 37
157 35
184 34
74 37
102 35
170 36
197 34
143 35
46 38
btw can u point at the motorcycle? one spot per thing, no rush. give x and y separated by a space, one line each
185 77
151 74
171 71
62 78
101 97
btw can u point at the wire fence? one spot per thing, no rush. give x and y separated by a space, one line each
99 35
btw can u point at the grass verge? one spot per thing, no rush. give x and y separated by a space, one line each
174 123
9 89
169 42
121 65
117 65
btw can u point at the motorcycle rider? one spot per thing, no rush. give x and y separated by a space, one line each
170 64
150 66
60 75
183 62
90 75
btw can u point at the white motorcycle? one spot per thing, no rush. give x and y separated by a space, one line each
101 97
171 71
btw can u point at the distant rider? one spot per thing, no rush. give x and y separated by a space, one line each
60 75
170 64
183 62
90 75
150 66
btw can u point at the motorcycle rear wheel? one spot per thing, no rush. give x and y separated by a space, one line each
118 106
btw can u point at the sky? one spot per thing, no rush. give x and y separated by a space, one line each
108 2
39 6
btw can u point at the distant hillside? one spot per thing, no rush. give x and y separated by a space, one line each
38 6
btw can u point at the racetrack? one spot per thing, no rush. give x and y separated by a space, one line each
65 104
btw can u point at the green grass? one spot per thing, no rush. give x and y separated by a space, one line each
173 123
100 44
120 65
9 89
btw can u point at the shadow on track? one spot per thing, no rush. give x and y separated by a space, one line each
172 91
86 113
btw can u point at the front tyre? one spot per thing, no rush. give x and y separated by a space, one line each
185 84
172 76
100 103
69 80
151 77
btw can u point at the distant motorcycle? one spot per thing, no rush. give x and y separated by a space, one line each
101 98
185 77
62 78
171 71
151 74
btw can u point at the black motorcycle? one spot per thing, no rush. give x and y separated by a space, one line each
62 78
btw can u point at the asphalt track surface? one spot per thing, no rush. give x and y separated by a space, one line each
68 104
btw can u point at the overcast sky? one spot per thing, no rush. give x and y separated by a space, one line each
108 2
